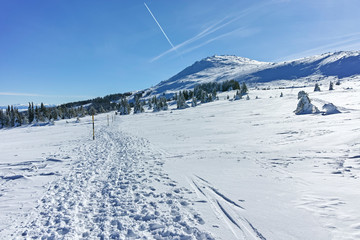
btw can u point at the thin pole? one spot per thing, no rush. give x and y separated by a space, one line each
93 127
108 119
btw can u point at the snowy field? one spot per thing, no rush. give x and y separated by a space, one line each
247 169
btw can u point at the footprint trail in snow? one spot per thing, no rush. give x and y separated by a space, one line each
117 190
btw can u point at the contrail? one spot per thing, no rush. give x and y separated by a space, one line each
159 25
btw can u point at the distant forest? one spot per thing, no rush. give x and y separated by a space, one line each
120 102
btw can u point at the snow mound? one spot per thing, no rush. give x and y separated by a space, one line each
330 108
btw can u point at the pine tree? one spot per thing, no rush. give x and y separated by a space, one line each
213 94
244 90
181 103
156 106
17 118
194 102
331 86
7 117
138 108
247 97
12 117
101 109
92 111
124 107
54 114
203 96
43 112
2 119
31 113
238 95
317 88
81 111
163 104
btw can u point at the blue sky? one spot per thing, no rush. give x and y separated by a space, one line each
60 51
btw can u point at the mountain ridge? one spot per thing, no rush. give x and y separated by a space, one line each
225 67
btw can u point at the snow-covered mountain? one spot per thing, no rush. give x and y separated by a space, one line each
220 68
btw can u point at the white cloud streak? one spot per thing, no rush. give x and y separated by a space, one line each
343 44
214 28
159 25
245 32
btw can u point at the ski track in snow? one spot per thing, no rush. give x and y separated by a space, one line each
227 210
117 190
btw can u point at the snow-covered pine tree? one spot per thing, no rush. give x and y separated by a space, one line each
149 104
17 118
186 94
2 119
12 116
101 109
124 108
81 113
36 114
244 90
54 114
317 87
156 106
163 104
213 94
203 96
31 112
247 97
7 119
92 111
193 102
138 108
304 105
238 95
43 113
181 103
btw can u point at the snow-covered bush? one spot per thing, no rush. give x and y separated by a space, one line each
304 105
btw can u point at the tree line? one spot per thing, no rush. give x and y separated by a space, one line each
202 93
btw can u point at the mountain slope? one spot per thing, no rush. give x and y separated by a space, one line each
220 68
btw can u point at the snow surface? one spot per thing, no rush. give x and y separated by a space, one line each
223 170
